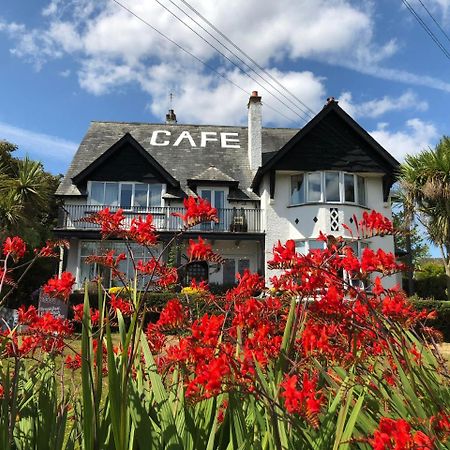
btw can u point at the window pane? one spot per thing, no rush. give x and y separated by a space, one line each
361 191
314 187
300 247
332 186
155 191
229 272
140 195
314 245
349 186
243 265
219 199
297 189
112 194
97 193
125 195
206 195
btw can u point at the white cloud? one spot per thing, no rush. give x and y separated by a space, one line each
105 35
203 98
54 152
377 107
114 49
416 136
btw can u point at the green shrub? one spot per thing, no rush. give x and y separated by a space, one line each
442 322
431 281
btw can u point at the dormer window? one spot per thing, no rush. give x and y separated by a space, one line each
127 195
327 187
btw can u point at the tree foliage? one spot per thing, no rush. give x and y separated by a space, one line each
425 182
27 203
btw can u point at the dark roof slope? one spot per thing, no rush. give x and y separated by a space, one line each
332 140
182 162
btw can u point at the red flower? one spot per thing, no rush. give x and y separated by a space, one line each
395 434
201 251
172 315
142 231
305 401
197 211
284 256
60 287
14 247
110 223
126 308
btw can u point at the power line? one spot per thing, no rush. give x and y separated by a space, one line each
309 112
247 56
435 21
192 54
234 54
330 127
225 56
426 28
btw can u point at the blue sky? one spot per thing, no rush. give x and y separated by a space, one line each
65 63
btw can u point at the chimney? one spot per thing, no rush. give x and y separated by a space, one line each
171 117
255 131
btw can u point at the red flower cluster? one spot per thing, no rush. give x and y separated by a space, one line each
124 306
284 256
440 424
78 311
60 287
306 401
201 251
109 260
14 247
143 231
198 210
160 274
397 435
110 223
173 315
45 332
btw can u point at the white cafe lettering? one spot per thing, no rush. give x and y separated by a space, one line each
162 138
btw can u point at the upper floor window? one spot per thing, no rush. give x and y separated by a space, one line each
329 187
125 194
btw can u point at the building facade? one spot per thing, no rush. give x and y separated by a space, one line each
268 184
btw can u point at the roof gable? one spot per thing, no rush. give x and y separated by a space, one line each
126 159
332 140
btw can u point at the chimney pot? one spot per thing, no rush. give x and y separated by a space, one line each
254 131
171 117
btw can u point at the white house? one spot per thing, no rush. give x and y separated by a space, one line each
268 184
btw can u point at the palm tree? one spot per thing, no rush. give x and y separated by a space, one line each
425 181
24 193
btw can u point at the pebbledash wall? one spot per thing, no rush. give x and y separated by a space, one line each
254 166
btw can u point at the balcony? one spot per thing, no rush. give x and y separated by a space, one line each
231 220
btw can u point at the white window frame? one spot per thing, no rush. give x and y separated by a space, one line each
134 184
104 246
323 198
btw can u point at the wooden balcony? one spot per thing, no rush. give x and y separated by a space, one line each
231 220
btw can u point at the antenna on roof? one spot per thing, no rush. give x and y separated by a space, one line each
171 117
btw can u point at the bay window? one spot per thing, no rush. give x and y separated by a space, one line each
328 187
125 194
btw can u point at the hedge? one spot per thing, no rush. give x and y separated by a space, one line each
442 307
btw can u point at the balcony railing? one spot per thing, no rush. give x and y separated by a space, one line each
237 220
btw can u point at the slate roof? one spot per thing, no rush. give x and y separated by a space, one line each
212 173
183 162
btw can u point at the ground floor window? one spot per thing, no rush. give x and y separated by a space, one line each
133 251
197 271
233 266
